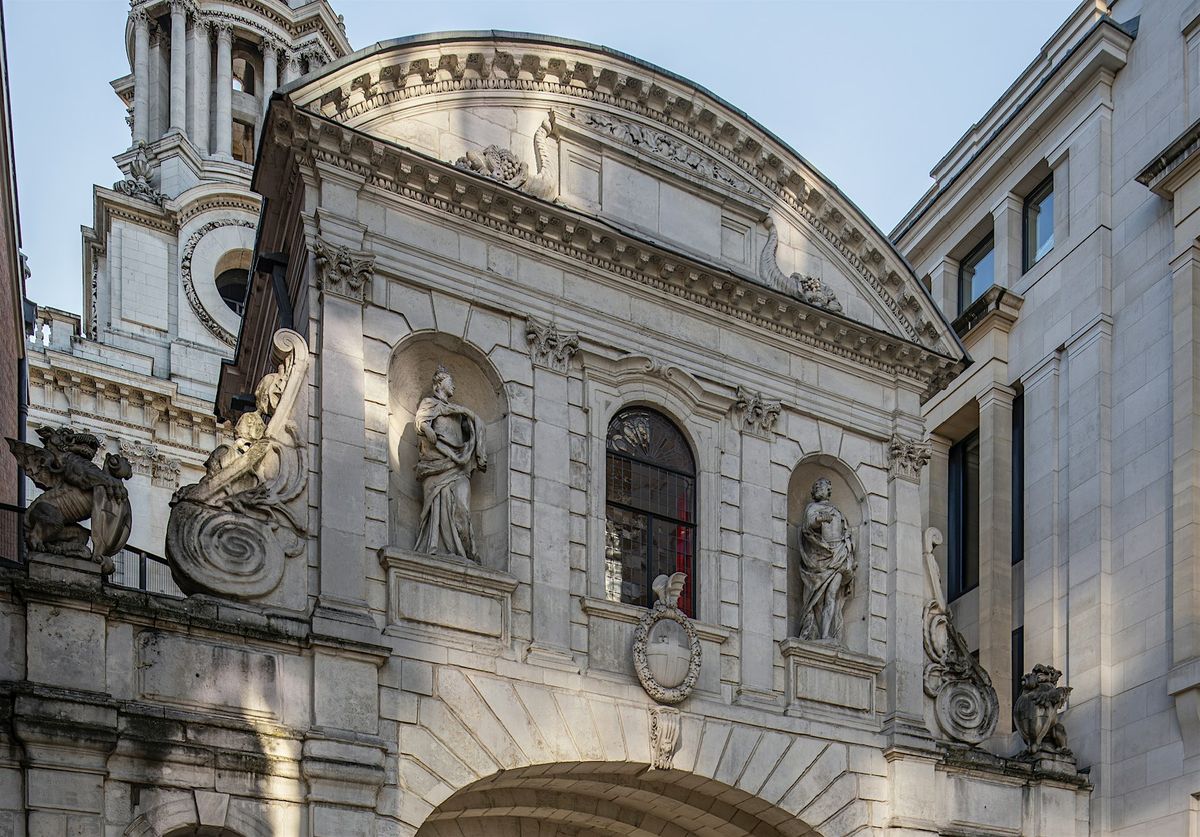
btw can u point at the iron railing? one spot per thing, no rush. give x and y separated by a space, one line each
141 570
12 535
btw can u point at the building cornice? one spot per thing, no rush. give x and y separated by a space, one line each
381 78
593 242
1174 164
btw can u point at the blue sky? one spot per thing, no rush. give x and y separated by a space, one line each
871 93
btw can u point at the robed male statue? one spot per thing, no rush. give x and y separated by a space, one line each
451 448
826 565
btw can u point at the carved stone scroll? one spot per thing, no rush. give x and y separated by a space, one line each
664 736
666 647
808 288
231 533
906 458
965 703
753 412
137 183
503 166
550 346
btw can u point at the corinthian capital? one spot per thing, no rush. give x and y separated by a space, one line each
906 458
343 272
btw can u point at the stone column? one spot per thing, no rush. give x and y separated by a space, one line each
141 76
178 67
270 51
1006 231
551 519
201 64
291 67
224 125
908 593
757 669
995 544
344 277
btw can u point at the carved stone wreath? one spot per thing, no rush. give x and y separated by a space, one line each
189 285
641 665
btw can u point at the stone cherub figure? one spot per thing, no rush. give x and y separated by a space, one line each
451 449
826 565
75 489
1036 709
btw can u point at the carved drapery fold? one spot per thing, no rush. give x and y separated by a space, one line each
906 458
231 533
549 345
343 272
964 701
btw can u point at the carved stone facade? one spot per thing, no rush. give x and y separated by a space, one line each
623 645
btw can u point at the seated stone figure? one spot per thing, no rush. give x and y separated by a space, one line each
451 448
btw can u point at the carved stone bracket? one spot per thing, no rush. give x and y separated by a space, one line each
808 288
231 533
664 736
752 412
343 272
137 183
906 458
667 668
550 346
965 704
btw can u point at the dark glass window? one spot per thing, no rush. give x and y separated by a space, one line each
1018 664
1018 478
651 507
1038 223
231 285
963 555
976 273
243 141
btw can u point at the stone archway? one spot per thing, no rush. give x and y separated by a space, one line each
597 799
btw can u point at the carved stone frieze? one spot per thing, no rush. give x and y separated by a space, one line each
665 146
906 458
343 272
808 288
505 167
137 183
148 461
664 736
231 533
666 647
189 283
964 701
755 413
74 490
549 345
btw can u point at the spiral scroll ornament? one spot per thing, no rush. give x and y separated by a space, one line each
964 700
231 533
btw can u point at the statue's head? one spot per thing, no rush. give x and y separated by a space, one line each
822 489
443 384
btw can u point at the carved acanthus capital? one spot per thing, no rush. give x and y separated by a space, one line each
906 458
148 461
140 17
222 26
753 412
549 346
343 272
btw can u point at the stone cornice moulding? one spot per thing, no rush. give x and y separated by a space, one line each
345 95
291 27
439 185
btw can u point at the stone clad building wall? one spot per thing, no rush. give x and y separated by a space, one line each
564 233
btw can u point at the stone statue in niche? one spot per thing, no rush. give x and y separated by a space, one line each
451 449
75 489
826 565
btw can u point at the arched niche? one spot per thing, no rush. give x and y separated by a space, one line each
477 386
851 500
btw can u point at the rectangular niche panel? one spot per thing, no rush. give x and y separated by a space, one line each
450 599
830 681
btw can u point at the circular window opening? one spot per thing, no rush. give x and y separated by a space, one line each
231 285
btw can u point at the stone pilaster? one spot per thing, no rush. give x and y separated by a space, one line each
1006 218
757 674
995 544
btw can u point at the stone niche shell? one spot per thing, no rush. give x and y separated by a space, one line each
477 386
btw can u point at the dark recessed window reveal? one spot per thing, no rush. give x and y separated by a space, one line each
650 507
1038 223
963 554
976 273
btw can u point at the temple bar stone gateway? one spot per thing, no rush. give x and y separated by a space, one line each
573 489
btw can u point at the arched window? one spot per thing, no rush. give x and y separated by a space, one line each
651 507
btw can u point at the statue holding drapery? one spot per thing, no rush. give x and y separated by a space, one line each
826 565
451 449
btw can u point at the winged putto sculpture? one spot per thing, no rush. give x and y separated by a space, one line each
74 490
